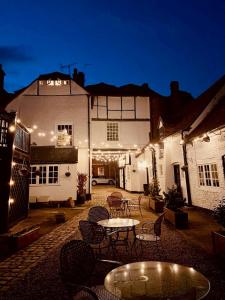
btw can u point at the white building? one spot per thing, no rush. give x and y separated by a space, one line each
69 124
56 110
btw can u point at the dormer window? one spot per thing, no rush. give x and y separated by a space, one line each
57 82
50 82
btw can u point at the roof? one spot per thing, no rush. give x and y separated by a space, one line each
193 109
104 89
54 76
51 154
5 98
214 120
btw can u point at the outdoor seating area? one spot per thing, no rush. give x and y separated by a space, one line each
98 256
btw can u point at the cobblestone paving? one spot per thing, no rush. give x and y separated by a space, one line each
19 264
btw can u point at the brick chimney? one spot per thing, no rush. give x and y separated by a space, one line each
174 87
79 77
2 75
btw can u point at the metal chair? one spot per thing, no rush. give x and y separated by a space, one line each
98 213
96 236
149 233
116 206
77 271
117 195
134 205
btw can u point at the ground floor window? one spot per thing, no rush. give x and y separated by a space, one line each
44 174
208 175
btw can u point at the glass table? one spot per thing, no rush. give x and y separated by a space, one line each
120 225
142 280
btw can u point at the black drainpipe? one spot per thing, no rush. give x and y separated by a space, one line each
186 172
89 146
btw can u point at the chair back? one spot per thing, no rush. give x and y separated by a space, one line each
77 262
98 213
117 195
157 225
92 233
114 202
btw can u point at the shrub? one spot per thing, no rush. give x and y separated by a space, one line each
173 198
219 213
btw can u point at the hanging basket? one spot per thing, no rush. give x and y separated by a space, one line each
24 172
37 173
67 174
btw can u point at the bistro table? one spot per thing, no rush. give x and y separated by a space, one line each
142 280
120 224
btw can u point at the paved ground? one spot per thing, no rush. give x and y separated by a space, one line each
19 264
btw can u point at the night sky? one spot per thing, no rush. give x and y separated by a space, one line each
117 42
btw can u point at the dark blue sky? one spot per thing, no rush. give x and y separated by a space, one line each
117 42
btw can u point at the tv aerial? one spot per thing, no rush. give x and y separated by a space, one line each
68 67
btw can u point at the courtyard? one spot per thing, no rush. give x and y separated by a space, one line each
33 272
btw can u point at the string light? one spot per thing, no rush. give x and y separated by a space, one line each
12 128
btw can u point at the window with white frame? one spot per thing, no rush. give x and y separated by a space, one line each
208 175
64 135
112 131
45 174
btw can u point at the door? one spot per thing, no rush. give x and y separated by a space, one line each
176 170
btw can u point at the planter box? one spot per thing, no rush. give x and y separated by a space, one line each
178 218
218 239
25 237
156 205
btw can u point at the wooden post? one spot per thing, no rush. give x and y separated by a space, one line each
6 153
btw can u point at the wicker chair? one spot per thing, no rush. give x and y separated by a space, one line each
77 266
96 236
98 213
150 233
134 205
116 206
117 195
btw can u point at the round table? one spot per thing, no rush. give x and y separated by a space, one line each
141 280
119 223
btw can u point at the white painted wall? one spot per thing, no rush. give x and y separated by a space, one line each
130 133
52 106
67 186
207 153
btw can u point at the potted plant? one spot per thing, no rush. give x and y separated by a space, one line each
173 212
218 237
156 201
81 191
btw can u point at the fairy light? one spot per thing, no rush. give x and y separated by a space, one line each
12 182
35 127
13 163
12 128
18 121
11 200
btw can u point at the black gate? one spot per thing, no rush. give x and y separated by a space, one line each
14 171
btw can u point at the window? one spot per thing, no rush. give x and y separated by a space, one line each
64 135
57 82
208 175
112 131
47 174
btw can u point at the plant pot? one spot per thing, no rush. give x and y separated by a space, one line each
88 196
81 198
156 205
178 218
60 218
218 240
25 237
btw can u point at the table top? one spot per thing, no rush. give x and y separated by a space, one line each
118 222
141 280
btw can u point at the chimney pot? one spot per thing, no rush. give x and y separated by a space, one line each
174 87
